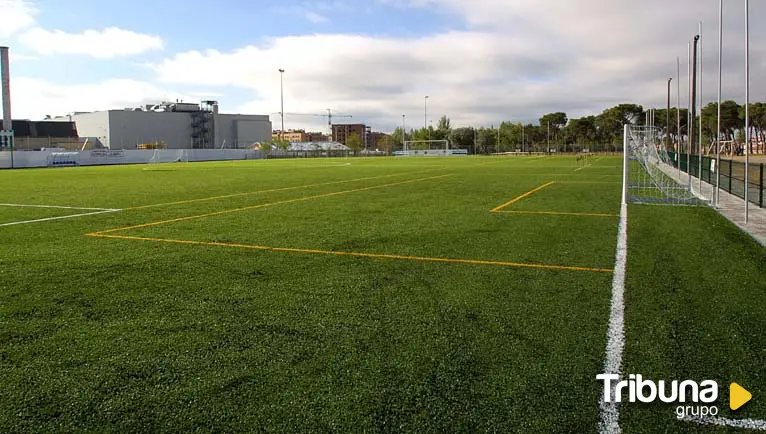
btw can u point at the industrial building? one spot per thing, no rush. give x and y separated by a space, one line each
172 125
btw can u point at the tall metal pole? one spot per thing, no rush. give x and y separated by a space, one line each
425 112
689 116
667 118
699 137
404 133
747 108
5 91
718 127
522 137
282 103
678 114
694 98
549 135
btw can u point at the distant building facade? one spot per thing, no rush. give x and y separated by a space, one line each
341 132
174 125
300 136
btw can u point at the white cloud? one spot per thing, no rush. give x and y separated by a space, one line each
316 18
35 98
309 11
516 60
520 60
108 43
16 15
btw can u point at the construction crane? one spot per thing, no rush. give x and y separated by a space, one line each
329 117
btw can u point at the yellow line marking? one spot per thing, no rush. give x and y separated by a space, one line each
518 198
559 213
589 182
300 199
361 255
297 187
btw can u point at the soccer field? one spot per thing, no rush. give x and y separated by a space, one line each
360 295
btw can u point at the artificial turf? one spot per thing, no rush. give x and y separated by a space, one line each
148 332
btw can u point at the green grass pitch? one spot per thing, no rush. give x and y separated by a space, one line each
359 295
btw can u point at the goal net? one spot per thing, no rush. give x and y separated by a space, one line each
428 148
649 173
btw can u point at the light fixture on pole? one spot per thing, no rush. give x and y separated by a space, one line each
282 103
404 133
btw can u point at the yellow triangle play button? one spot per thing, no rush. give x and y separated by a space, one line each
738 396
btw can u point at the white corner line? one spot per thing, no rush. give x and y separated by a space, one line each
609 422
56 206
752 424
59 217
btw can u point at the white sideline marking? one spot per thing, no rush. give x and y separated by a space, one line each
59 217
56 206
754 424
610 411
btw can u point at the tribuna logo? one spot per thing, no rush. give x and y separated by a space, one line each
649 391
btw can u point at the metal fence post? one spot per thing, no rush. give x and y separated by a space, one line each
730 164
760 187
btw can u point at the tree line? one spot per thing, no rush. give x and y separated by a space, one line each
602 132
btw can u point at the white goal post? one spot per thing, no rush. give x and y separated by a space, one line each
650 175
429 148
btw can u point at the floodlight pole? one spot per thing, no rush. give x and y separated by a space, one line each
282 102
425 112
667 117
548 136
694 100
688 115
699 137
747 108
678 113
404 134
718 127
522 137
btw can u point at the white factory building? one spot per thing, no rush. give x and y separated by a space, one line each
172 125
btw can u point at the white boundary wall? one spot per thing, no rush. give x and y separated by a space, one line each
100 157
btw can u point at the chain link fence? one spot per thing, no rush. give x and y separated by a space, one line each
732 175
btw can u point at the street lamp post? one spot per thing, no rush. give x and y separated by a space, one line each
404 133
282 103
667 117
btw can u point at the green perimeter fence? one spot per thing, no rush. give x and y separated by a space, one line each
732 176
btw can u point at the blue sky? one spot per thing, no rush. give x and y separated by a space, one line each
480 61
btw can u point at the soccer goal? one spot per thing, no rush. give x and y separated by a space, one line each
649 173
428 148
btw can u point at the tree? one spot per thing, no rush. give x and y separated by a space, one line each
757 115
386 144
462 138
557 120
610 122
730 119
280 143
397 138
266 147
354 141
485 141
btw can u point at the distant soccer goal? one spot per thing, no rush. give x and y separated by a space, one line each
429 148
649 175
